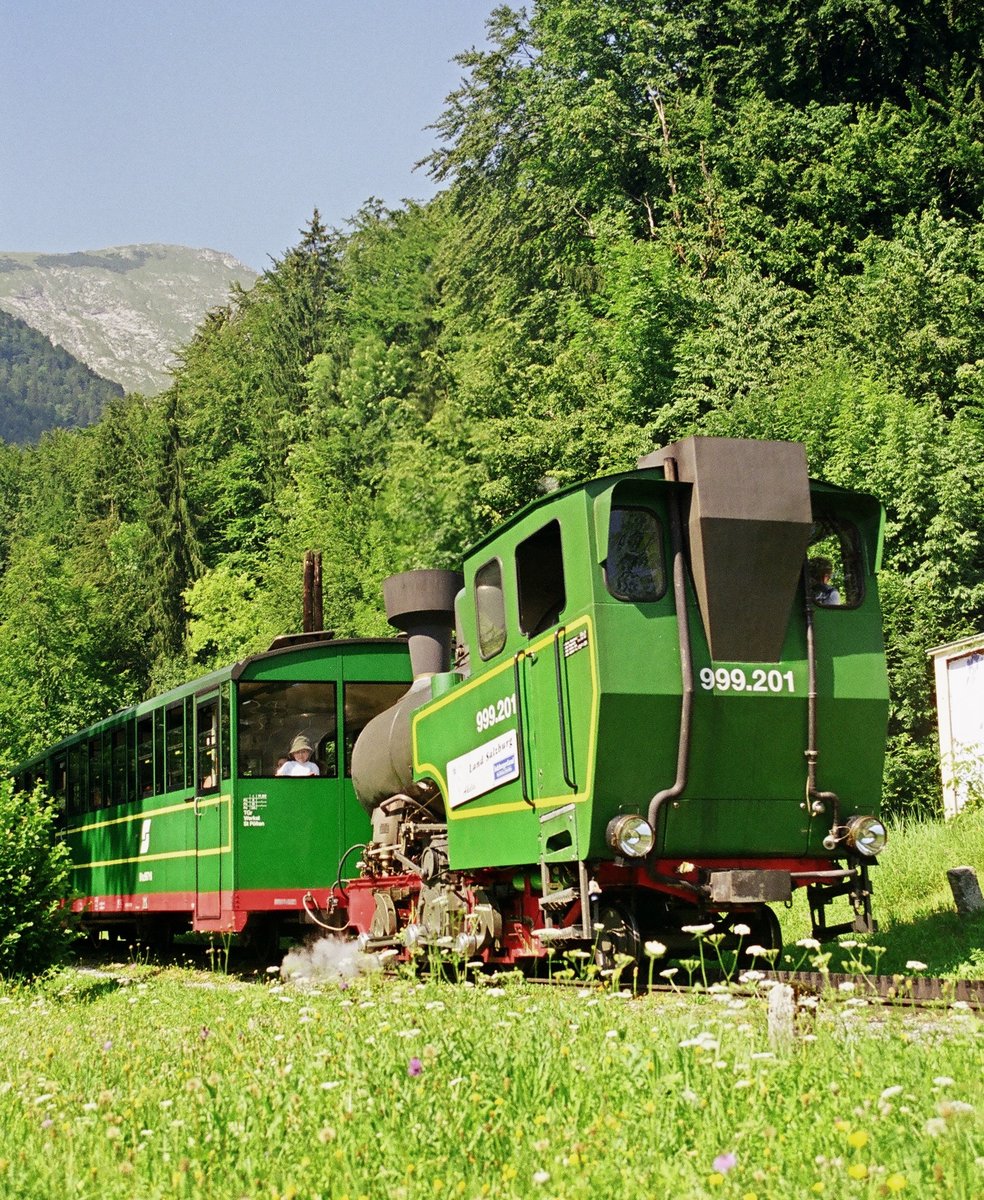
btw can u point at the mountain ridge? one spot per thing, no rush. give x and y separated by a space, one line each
123 310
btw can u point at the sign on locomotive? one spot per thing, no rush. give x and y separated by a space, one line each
653 699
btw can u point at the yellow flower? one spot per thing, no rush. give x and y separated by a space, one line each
896 1182
858 1139
509 1171
857 1171
817 1187
438 1185
749 1196
716 1179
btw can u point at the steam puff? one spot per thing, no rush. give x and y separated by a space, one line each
328 960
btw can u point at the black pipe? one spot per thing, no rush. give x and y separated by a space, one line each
813 796
686 657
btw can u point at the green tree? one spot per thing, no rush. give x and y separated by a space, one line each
34 879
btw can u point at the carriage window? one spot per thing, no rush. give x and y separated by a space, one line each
189 742
159 751
174 720
96 798
490 608
363 701
634 568
224 716
835 563
272 715
77 763
145 756
540 580
121 765
59 783
207 762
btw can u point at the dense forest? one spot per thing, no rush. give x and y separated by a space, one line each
43 386
744 217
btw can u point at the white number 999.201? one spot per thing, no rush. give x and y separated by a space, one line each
735 679
492 714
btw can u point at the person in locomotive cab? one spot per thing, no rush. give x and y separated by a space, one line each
300 762
824 592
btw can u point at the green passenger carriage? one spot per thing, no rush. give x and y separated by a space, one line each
173 810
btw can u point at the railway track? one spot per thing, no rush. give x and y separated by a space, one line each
899 991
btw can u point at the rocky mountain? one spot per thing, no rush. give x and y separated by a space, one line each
124 310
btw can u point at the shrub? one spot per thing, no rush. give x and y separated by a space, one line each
34 877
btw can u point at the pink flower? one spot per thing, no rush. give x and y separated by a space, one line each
415 1066
726 1162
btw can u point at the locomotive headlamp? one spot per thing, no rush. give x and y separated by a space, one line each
630 836
867 835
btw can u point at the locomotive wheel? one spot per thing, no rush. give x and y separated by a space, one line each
261 937
764 925
617 937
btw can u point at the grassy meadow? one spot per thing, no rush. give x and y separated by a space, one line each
180 1084
139 1081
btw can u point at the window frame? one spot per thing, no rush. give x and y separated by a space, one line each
528 560
480 607
661 541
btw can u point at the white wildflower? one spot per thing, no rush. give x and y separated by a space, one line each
953 1108
915 965
741 930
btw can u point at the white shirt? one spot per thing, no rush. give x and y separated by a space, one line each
293 767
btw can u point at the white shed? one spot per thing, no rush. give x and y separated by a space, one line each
960 704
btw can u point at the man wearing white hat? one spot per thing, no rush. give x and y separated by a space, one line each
300 762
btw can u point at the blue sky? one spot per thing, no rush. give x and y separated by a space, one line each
218 123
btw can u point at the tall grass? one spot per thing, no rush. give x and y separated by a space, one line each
182 1085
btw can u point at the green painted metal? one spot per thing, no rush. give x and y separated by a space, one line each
218 853
619 706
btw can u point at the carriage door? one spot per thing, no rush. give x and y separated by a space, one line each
208 809
542 597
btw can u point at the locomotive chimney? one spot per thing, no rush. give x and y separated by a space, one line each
421 604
